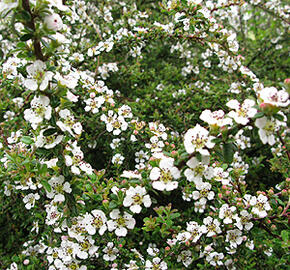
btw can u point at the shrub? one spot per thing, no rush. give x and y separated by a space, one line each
134 135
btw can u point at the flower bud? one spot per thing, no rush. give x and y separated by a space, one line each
173 153
26 262
53 22
284 192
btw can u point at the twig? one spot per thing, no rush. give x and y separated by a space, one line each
31 25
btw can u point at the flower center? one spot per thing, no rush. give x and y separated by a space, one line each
165 176
137 199
121 222
98 222
204 192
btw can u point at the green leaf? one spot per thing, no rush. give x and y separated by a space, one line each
23 16
278 117
112 205
46 185
258 115
284 235
42 169
26 37
228 152
27 140
49 132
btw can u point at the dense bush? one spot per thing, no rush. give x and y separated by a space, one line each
144 134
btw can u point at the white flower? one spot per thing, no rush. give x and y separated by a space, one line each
186 257
158 129
53 22
95 221
164 175
6 6
30 199
114 123
8 115
244 221
196 139
216 118
195 230
71 97
131 175
53 215
19 101
94 104
215 258
135 197
233 43
267 129
37 77
39 111
270 95
58 4
119 223
14 136
194 2
85 248
50 163
227 213
58 187
221 176
68 123
204 193
155 144
269 251
125 111
70 80
183 237
152 249
156 264
76 161
243 111
118 159
261 206
110 252
66 252
198 169
106 45
13 266
234 237
211 226
47 142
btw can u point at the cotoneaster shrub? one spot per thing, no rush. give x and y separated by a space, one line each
144 134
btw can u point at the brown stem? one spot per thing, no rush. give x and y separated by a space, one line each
263 226
282 141
225 6
31 25
261 6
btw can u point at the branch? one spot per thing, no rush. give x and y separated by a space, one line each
283 143
30 24
269 12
